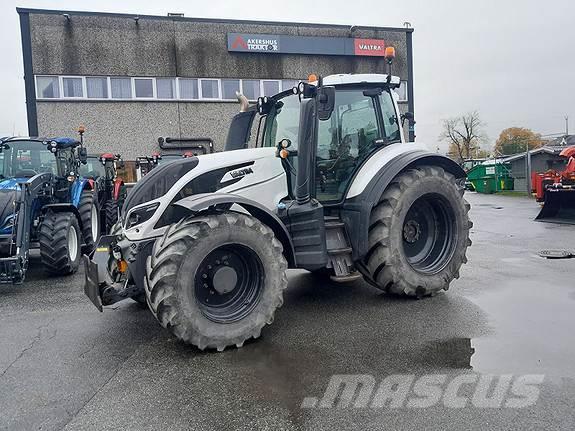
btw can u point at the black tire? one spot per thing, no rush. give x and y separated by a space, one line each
88 208
419 233
54 237
186 253
111 210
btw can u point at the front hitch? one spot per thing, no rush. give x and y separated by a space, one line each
107 279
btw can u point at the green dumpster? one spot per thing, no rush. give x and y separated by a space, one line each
491 177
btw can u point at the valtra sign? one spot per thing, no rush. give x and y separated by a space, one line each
371 47
283 44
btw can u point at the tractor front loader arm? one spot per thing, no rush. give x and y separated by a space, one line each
13 267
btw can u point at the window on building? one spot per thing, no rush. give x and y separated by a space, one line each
288 84
229 88
73 87
97 87
271 87
210 89
144 87
166 88
47 87
121 88
251 88
188 88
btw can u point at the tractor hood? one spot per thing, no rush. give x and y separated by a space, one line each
254 173
158 182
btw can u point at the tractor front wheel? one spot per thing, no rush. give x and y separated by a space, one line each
111 210
90 217
419 233
216 280
59 238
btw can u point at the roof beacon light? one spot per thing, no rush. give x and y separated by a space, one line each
312 78
389 56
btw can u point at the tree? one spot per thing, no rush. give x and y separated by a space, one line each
514 140
464 136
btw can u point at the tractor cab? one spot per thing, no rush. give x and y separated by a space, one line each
356 121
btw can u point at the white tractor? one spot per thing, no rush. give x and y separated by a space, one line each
328 184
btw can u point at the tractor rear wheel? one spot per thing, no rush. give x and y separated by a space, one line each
216 280
60 240
419 233
111 210
90 217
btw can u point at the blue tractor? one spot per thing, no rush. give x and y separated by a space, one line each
45 204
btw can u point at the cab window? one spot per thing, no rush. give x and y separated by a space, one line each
344 141
283 122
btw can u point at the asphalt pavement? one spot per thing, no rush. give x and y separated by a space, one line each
64 365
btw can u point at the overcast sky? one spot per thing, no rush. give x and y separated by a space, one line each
512 61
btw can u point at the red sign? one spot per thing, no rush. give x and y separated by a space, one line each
370 47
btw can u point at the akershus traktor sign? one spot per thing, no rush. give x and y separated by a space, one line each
284 44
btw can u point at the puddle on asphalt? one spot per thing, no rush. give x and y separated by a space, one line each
532 330
448 353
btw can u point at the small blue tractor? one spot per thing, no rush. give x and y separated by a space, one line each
45 204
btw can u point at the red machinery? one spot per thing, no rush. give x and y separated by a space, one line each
557 191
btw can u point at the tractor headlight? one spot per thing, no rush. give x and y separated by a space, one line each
141 214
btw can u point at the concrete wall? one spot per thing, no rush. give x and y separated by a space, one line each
100 44
103 45
132 128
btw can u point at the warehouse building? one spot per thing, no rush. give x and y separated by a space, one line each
131 79
541 160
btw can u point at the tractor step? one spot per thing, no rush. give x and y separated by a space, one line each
354 276
339 251
335 251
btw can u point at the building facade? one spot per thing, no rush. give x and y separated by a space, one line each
131 79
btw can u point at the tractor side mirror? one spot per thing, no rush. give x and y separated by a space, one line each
326 102
407 116
83 155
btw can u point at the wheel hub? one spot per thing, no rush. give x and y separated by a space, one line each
224 280
429 233
411 231
228 283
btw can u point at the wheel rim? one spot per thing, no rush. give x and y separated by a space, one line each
94 221
228 283
429 235
73 243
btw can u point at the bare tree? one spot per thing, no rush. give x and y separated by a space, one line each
464 135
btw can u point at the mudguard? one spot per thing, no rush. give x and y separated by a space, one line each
204 201
78 187
359 202
118 184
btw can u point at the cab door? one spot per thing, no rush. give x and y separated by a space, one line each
355 130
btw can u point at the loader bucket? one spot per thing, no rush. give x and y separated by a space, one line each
559 206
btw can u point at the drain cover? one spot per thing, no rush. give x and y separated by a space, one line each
556 254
